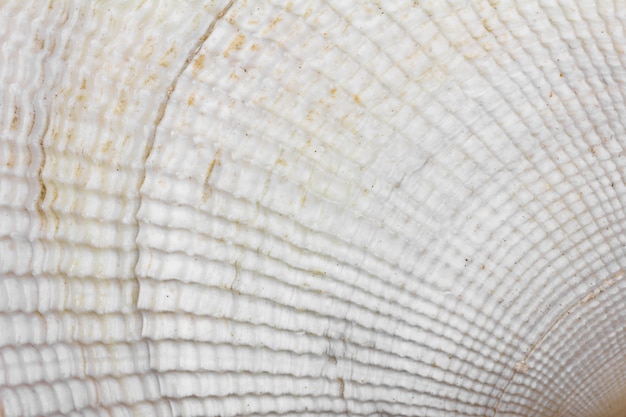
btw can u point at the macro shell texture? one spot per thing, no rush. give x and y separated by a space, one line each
308 207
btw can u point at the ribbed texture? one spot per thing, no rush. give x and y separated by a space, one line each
312 208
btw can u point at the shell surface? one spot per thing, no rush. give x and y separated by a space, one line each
312 208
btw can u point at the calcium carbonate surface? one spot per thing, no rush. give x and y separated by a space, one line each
226 208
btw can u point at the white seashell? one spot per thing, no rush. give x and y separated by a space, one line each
312 208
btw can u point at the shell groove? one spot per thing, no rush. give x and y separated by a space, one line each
312 208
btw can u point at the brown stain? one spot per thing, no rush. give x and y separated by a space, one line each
357 99
191 99
16 118
235 45
42 185
83 84
54 192
42 195
592 149
255 47
342 388
588 298
206 188
550 94
39 43
198 64
333 92
11 161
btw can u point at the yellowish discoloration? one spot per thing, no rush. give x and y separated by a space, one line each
191 99
54 193
280 160
488 24
255 47
333 92
168 57
206 188
121 103
357 99
39 42
147 49
235 45
150 78
521 367
78 171
272 25
198 64
107 146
